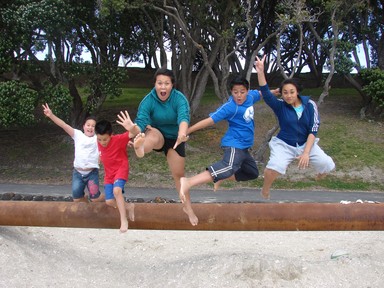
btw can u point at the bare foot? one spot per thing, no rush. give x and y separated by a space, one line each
84 199
184 188
124 225
138 144
191 215
130 207
320 176
216 185
265 194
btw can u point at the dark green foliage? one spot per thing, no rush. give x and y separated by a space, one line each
17 103
373 85
58 99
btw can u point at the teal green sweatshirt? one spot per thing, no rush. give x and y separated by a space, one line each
165 116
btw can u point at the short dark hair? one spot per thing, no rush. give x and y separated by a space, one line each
294 81
103 127
239 80
165 72
91 117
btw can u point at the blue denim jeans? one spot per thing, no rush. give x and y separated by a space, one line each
91 181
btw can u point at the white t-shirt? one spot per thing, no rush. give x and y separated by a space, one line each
86 152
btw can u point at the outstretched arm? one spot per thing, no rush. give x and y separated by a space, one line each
126 122
67 128
182 135
184 131
201 125
275 92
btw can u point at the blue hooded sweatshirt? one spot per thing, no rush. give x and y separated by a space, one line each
293 131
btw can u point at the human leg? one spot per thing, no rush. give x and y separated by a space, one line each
92 180
185 198
281 155
248 170
114 198
320 161
148 141
176 164
120 203
78 186
130 208
216 185
269 177
187 183
227 167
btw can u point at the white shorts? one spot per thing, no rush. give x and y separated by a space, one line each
282 154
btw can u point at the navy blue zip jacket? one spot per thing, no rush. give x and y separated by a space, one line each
293 131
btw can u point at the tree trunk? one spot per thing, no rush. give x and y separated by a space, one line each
77 119
260 152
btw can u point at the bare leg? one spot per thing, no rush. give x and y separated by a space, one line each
138 144
185 186
216 185
186 200
118 193
320 176
145 143
269 176
176 164
130 208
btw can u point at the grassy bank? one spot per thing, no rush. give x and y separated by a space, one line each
356 145
45 154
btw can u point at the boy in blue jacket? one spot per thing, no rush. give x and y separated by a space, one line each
299 122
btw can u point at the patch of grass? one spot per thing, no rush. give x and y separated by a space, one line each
130 97
329 183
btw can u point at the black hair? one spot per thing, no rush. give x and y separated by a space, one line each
165 72
103 127
295 82
239 80
91 117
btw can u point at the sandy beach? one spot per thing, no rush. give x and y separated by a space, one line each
73 257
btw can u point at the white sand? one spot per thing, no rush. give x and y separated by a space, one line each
65 257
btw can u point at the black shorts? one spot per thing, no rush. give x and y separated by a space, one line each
168 144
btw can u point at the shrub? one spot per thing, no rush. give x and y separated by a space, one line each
17 103
58 99
373 84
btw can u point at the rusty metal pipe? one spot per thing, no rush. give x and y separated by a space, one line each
170 216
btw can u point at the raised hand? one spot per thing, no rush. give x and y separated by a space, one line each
259 64
125 121
47 111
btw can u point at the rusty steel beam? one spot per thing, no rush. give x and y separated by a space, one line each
214 216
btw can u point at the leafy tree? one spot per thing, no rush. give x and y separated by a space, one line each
66 29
